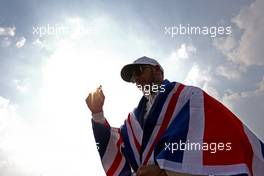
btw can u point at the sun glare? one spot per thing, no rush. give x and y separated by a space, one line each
60 134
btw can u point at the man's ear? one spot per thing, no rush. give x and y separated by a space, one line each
157 67
159 71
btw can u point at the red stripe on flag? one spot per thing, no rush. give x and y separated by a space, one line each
134 137
222 126
106 124
117 159
166 120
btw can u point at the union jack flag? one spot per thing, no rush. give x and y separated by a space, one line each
180 115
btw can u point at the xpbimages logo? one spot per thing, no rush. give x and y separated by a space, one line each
151 88
59 29
212 31
49 29
212 147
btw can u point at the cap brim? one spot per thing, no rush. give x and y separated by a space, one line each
126 72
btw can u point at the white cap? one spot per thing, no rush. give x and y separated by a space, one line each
127 70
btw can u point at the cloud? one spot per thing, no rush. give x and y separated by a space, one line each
248 49
58 126
201 78
225 44
8 125
21 42
260 86
211 91
28 146
177 62
197 77
248 105
3 102
184 51
7 31
38 43
5 42
230 70
250 20
21 86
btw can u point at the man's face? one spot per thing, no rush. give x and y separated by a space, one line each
143 75
147 78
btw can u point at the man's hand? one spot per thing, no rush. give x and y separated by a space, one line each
151 170
95 100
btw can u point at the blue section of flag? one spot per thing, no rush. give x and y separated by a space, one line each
126 171
140 111
102 136
128 150
262 148
154 114
175 135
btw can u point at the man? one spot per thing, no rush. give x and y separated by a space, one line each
175 130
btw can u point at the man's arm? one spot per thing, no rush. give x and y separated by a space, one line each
109 140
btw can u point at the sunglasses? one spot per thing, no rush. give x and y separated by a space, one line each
137 71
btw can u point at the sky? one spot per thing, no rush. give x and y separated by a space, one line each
53 53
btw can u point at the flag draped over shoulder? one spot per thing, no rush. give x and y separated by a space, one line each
185 131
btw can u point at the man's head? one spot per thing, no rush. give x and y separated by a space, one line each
143 71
